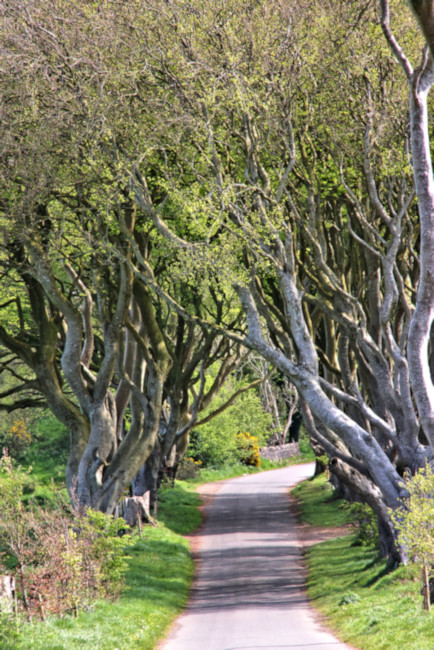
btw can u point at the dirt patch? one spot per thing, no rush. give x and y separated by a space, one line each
308 534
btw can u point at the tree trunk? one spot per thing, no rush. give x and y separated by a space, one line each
361 489
426 588
148 478
136 510
97 455
7 592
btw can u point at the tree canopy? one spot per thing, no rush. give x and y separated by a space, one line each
184 179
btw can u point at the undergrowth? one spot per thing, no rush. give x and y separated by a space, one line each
157 581
367 605
160 570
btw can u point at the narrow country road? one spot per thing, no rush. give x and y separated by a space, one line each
249 593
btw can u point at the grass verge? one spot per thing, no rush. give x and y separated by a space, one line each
158 578
318 503
157 586
367 606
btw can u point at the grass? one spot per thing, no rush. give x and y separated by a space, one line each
160 565
157 586
318 503
366 605
158 579
178 508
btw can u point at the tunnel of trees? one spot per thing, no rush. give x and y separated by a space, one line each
184 182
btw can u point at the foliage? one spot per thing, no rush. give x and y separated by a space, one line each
188 468
299 172
160 570
18 437
42 443
48 452
215 442
248 449
156 588
101 541
61 562
415 518
414 521
276 153
367 605
362 518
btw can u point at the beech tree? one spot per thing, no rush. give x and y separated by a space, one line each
81 332
262 149
307 182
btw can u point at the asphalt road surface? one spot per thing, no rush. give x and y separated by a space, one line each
248 593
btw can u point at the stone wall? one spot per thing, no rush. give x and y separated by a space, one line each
280 452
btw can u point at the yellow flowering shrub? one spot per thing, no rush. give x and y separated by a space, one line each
248 448
188 468
18 437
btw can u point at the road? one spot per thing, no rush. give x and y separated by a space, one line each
249 593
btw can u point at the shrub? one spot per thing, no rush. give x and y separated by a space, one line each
61 560
414 521
248 449
188 468
103 550
18 438
214 442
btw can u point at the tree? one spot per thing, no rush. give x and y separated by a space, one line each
202 362
420 81
262 149
312 202
87 334
414 521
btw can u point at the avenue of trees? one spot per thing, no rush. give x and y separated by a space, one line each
184 181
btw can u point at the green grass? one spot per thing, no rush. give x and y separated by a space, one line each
158 579
318 503
157 586
366 605
178 507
